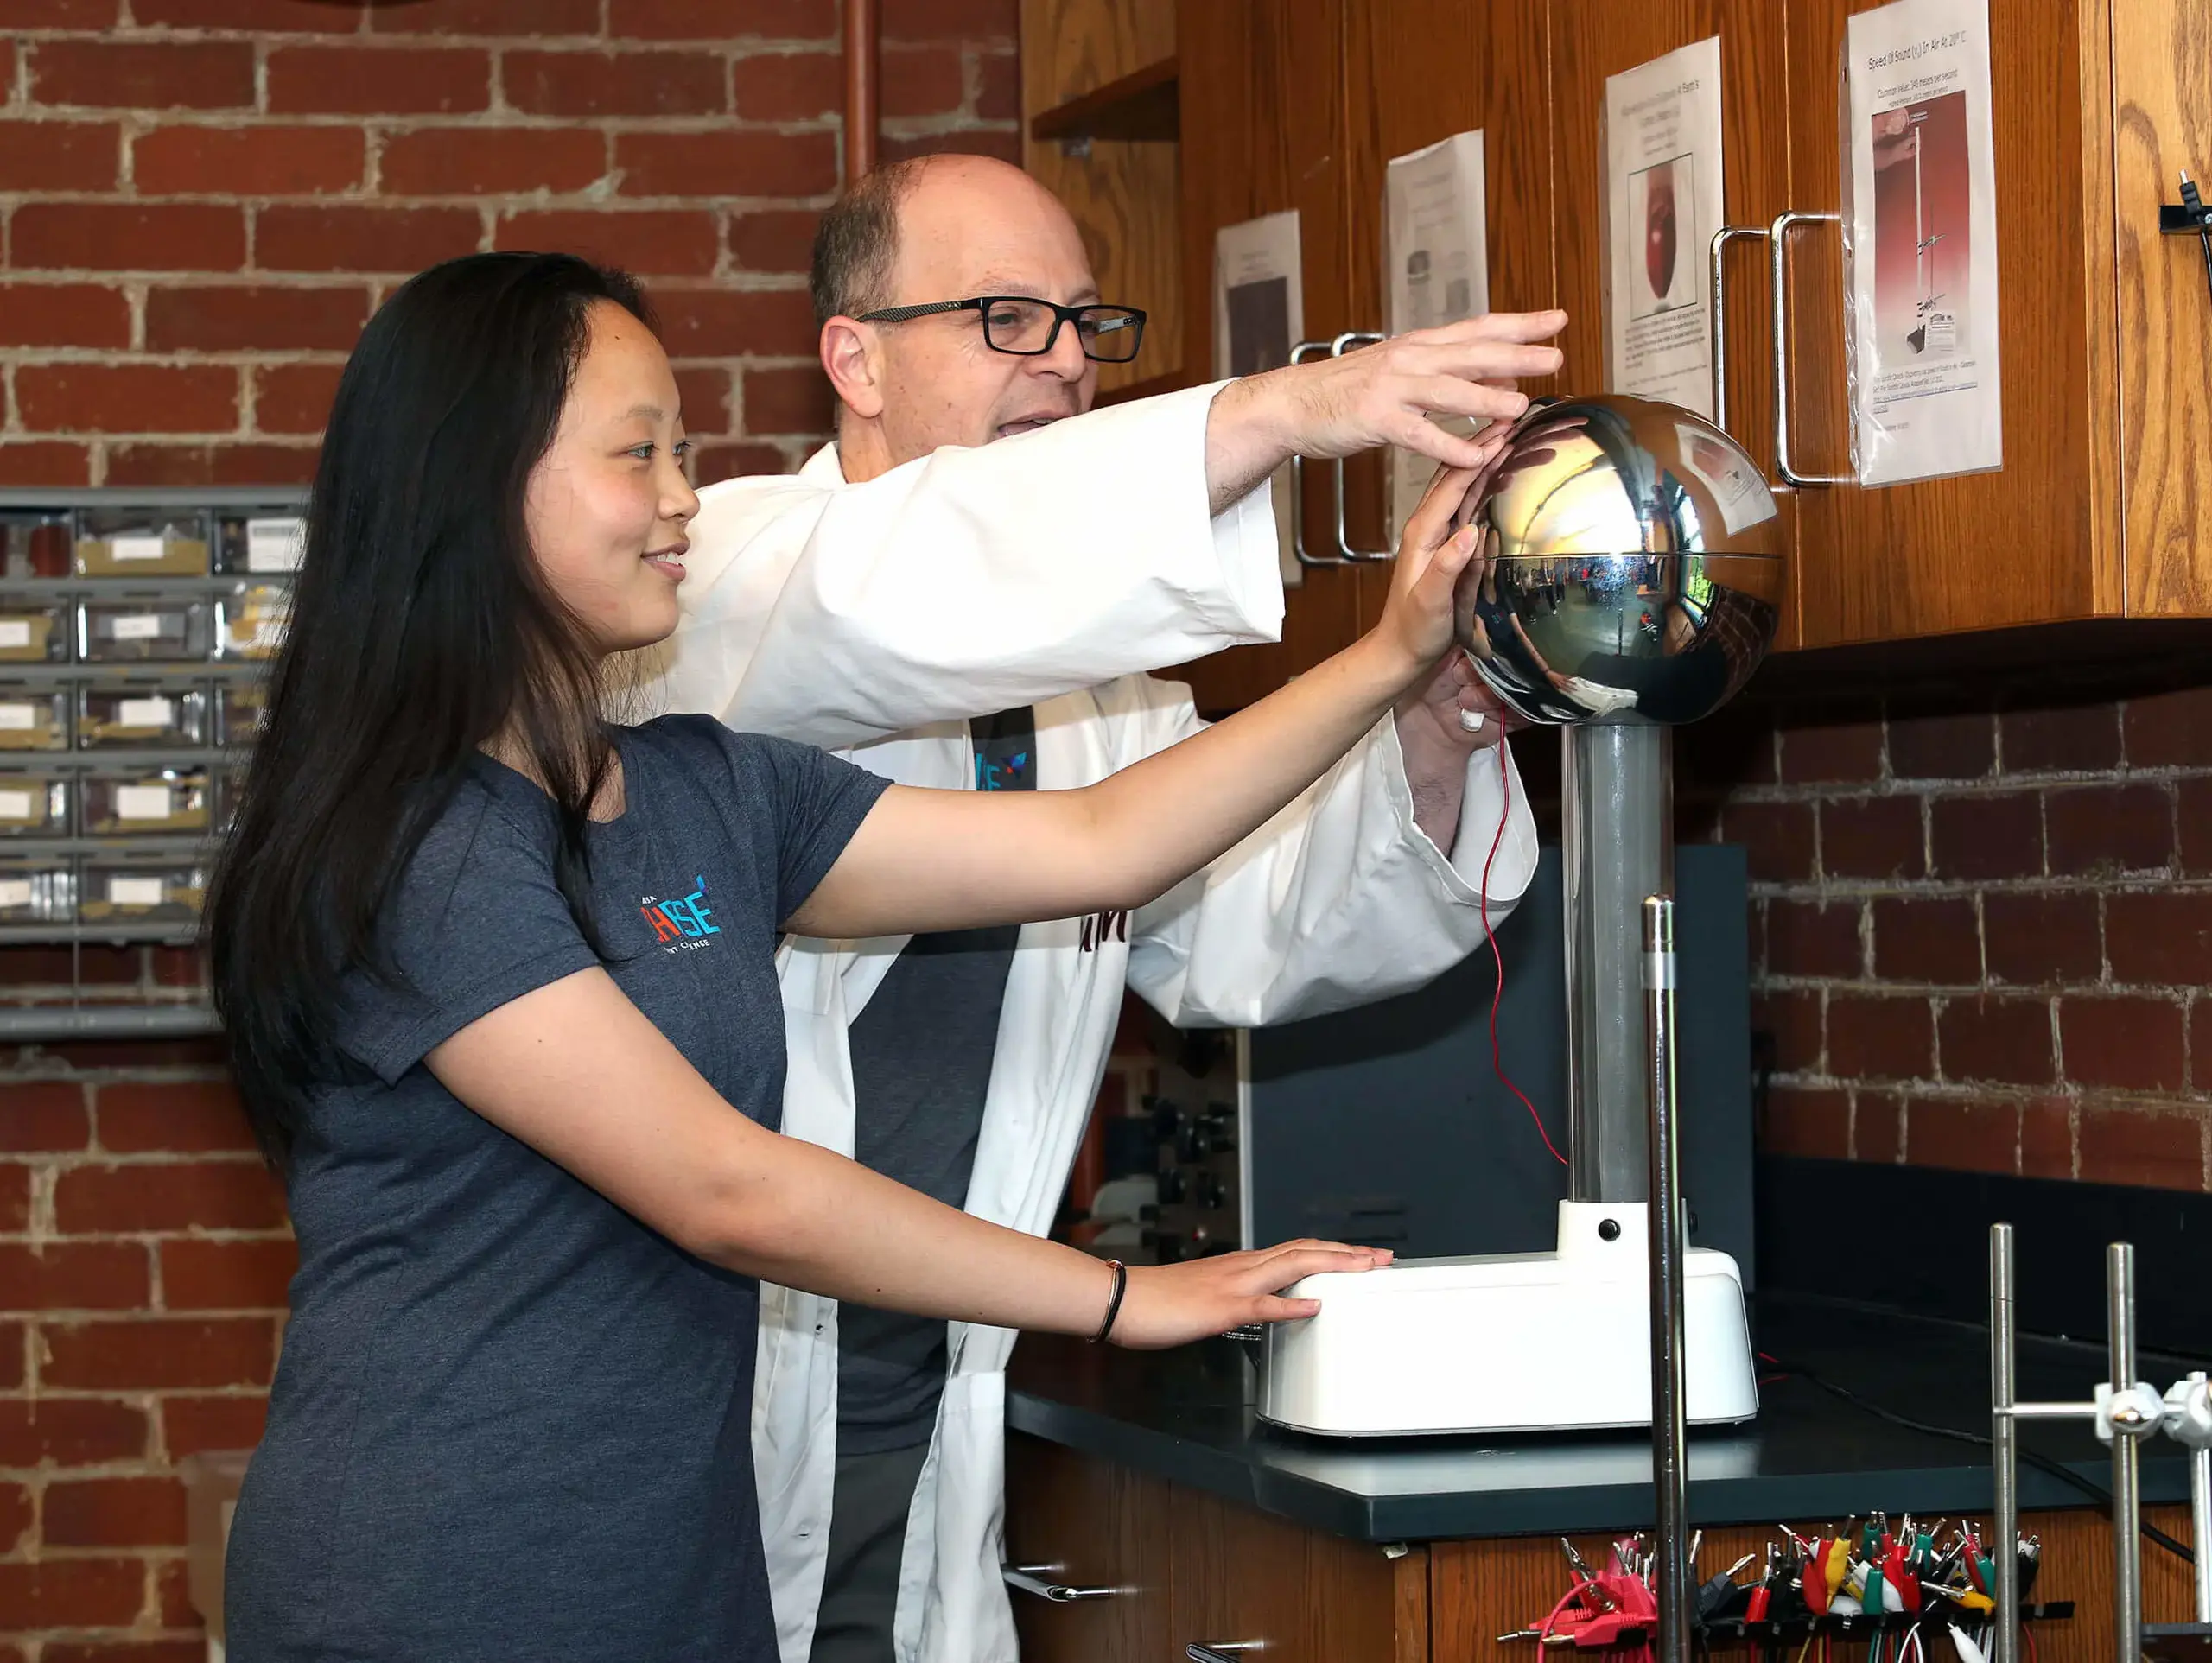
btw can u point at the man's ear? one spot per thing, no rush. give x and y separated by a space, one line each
852 359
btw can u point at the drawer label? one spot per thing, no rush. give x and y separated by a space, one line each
15 891
146 713
137 891
276 545
138 626
15 631
144 802
18 718
136 548
15 805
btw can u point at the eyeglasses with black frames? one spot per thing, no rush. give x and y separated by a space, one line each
1027 327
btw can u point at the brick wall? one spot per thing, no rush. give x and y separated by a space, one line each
200 200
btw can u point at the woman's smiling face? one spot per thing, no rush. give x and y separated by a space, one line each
608 503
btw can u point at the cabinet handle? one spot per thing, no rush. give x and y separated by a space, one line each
1351 340
1228 1651
1032 1579
1721 239
1300 354
1779 232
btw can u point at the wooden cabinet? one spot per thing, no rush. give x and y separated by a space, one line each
1083 1524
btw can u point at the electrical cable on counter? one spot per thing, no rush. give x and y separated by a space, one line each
1498 991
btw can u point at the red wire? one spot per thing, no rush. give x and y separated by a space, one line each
1497 993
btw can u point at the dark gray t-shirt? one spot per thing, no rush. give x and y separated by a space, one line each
511 1421
922 1056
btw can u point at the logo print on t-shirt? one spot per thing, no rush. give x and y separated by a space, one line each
680 926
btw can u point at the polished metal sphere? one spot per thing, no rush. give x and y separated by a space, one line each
1630 564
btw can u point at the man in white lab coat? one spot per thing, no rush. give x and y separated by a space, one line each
954 611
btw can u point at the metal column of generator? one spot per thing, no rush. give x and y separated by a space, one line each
2124 1412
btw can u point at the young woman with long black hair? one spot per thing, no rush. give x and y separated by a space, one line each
500 981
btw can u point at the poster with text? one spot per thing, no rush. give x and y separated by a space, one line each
1258 314
1926 397
1436 270
1662 204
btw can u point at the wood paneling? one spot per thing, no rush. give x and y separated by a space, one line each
1243 1576
1104 1526
1073 47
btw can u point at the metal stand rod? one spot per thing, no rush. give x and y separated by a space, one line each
2005 1444
1669 1428
2200 1518
2127 1495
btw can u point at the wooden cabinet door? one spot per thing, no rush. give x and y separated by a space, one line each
1264 110
1590 44
2038 541
1243 1578
1096 1526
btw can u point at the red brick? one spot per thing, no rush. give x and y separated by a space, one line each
243 464
1778 839
491 161
528 18
1950 746
14 1196
255 16
2162 938
2193 818
1935 941
1877 1127
184 1116
75 1276
2047 1139
1814 1123
919 82
1964 1135
238 1195
1812 938
367 80
2069 738
69 1431
363 239
63 315
15 1517
714 463
126 1651
2033 938
155 1354
616 83
2128 1043
1880 1037
114 1513
37 1116
950 20
87 14
1005 146
212 1051
1793 1019
144 75
2106 829
173 1592
728 163
198 1275
671 244
249 160
14 1338
45 465
294 398
40 966
704 397
1979 837
712 20
178 967
2169 730
1876 837
2004 1040
254 317
191 1424
808 85
788 401
998 90
128 397
733 323
2131 1146
60 155
128 235
73 1593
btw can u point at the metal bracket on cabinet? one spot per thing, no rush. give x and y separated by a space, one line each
1721 239
1779 234
1305 351
1351 340
1037 1579
2192 218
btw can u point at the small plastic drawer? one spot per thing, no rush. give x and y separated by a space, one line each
36 545
142 891
33 635
142 716
145 803
34 721
33 805
170 632
37 891
260 544
130 543
230 792
242 707
254 617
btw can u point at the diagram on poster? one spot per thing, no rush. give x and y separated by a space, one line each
1662 201
1259 314
1436 270
1921 243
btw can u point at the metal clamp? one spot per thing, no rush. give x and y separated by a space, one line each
1351 340
1228 1651
1666 1247
1300 354
1779 234
1718 258
1032 1579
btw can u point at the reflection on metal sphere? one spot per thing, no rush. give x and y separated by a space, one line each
1630 564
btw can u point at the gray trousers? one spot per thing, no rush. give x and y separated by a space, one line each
867 1539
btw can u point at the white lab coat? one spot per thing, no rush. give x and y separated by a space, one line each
1046 569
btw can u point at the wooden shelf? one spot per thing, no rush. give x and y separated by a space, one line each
1151 387
1145 105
